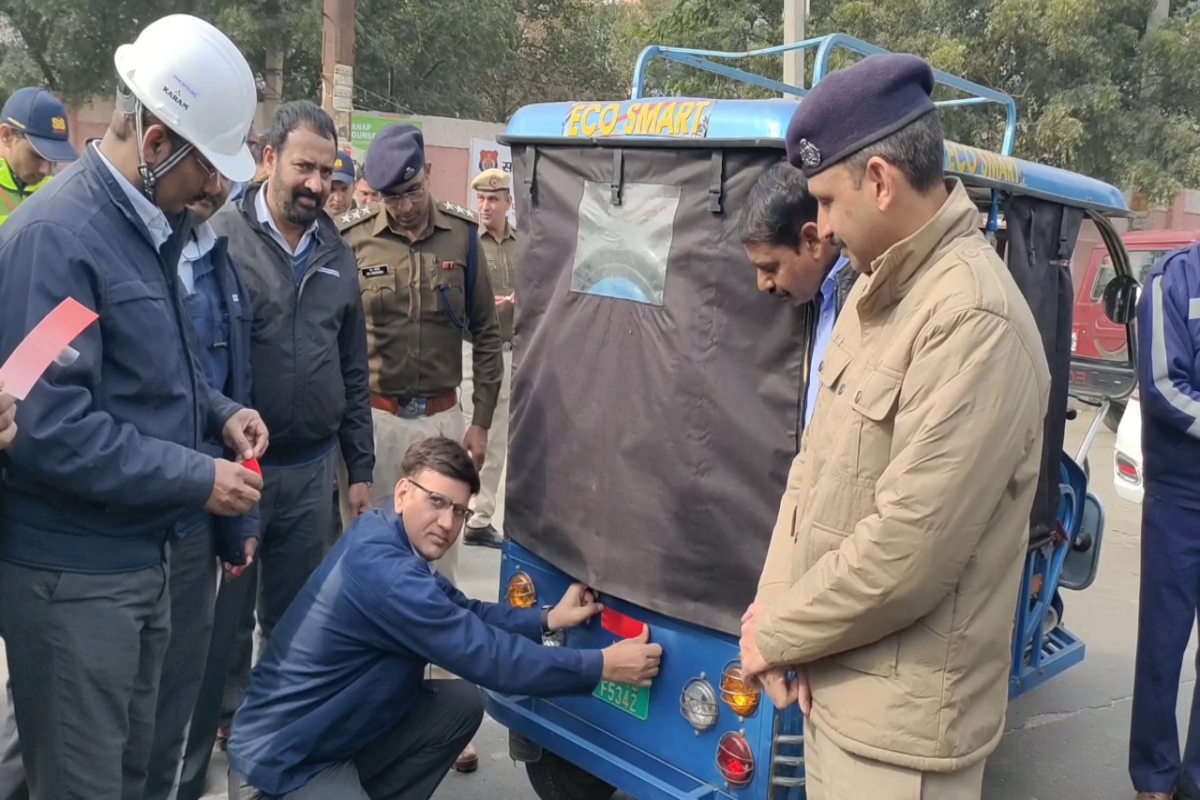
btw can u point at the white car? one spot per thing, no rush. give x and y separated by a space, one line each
1127 453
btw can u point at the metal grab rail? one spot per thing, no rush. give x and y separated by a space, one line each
706 60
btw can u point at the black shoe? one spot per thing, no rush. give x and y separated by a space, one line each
483 537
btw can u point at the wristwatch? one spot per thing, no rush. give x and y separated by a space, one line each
551 638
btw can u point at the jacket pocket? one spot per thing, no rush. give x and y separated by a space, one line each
142 334
880 658
449 283
874 403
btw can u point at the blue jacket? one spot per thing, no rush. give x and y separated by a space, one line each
1169 377
347 659
231 532
107 457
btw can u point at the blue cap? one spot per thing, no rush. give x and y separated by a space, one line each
343 169
395 157
854 108
42 118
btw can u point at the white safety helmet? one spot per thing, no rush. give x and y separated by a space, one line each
193 79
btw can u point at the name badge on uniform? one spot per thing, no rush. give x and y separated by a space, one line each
447 265
377 271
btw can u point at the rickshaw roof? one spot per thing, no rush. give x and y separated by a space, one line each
700 122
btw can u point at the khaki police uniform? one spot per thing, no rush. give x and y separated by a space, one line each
501 257
415 297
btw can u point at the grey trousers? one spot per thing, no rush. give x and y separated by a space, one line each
193 593
297 519
409 761
12 771
85 654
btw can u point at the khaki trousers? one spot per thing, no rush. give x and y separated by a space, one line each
491 477
831 773
393 436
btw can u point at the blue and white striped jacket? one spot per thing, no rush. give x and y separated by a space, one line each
1169 377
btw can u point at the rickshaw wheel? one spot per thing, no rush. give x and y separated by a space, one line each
554 778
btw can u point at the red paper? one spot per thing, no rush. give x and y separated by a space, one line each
47 342
253 466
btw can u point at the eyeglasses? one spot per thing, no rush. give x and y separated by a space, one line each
441 502
210 171
412 196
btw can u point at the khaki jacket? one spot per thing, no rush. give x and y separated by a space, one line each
894 566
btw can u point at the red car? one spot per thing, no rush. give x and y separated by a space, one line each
1093 336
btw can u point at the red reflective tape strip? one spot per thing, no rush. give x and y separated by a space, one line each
617 623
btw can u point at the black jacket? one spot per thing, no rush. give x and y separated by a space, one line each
308 343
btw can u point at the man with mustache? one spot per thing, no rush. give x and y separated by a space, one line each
309 358
794 262
108 462
215 299
896 557
423 287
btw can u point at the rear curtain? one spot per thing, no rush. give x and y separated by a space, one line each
1041 238
655 390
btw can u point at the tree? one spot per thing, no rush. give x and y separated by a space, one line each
1075 67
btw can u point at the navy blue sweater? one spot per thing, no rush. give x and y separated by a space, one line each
347 660
107 457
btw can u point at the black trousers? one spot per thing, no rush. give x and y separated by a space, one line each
296 517
409 761
193 593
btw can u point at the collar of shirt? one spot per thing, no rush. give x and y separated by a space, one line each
509 233
151 215
829 285
204 238
264 217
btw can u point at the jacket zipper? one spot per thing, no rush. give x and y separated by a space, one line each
319 258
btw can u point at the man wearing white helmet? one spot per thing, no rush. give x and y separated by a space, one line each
109 462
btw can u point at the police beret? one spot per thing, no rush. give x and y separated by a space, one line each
854 108
490 180
396 156
343 169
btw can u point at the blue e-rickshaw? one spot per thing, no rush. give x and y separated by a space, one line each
655 411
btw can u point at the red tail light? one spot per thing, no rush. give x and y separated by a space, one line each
735 761
620 625
1127 470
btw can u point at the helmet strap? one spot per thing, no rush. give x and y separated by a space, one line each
150 175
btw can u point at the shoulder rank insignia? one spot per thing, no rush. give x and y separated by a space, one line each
352 218
455 210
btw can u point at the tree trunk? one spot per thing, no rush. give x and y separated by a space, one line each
273 78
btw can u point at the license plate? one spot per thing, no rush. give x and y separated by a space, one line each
633 700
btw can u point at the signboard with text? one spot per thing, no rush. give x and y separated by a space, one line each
366 125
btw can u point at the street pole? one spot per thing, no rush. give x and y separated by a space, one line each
337 65
794 12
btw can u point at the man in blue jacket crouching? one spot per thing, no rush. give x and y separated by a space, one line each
338 707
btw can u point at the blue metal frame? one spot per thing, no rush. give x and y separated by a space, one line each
662 758
824 45
764 123
1038 655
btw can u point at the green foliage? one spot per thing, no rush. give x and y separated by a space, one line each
1095 92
